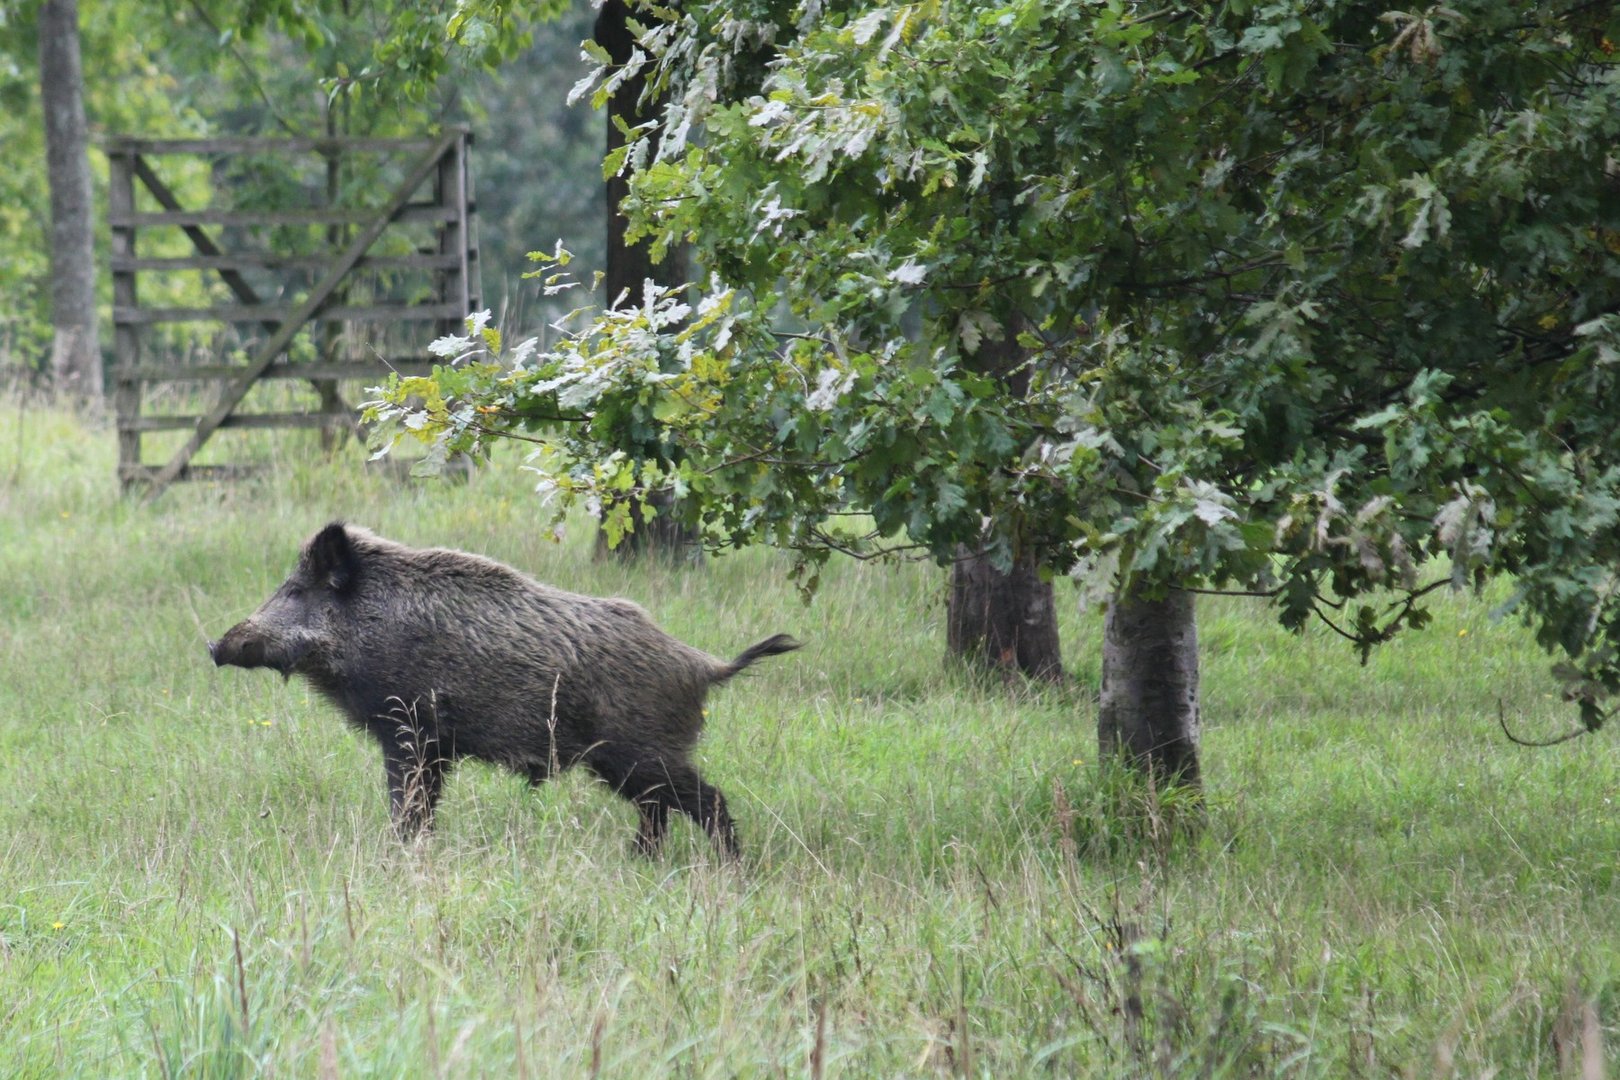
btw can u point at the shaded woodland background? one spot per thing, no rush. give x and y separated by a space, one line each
167 71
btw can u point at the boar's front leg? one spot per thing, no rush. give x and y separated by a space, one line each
415 774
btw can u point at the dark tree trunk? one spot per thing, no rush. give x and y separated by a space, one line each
1148 713
76 347
661 535
630 265
1007 620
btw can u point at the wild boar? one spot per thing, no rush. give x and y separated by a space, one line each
443 655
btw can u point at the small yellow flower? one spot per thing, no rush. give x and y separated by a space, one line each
58 925
1079 761
266 723
1462 633
66 514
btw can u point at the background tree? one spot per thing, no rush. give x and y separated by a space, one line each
75 362
627 265
212 68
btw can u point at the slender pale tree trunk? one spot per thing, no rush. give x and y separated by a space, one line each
1148 713
629 266
1006 619
76 347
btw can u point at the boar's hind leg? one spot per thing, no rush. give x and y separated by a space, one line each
657 787
415 779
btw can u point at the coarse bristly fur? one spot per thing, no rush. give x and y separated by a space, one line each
443 655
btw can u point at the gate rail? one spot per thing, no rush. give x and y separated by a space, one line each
454 291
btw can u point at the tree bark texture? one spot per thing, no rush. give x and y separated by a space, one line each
1005 619
76 347
659 535
630 265
1148 713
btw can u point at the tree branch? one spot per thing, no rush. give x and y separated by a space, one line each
1501 718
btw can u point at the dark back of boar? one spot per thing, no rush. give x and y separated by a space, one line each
442 655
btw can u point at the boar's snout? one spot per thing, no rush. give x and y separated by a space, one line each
246 646
236 648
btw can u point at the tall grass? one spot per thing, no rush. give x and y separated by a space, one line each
197 877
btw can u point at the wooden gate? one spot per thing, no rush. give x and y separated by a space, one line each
440 279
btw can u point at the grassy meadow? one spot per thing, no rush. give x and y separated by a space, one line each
197 877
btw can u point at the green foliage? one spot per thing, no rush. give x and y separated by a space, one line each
1287 298
217 68
127 89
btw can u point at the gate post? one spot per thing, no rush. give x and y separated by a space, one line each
126 335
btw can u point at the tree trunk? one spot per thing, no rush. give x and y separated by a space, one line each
1148 713
628 268
1007 620
660 535
76 347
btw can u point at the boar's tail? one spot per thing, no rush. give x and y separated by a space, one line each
771 646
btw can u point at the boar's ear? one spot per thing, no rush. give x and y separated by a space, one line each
332 558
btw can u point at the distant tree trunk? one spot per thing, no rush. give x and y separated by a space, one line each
629 266
1148 713
76 347
1005 619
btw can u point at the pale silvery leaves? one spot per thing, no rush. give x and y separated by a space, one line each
831 384
678 119
456 348
909 272
974 326
816 125
519 357
1332 509
607 89
714 310
771 112
625 350
981 163
1431 215
1603 332
866 27
1462 525
770 213
453 347
1283 326
583 86
1211 505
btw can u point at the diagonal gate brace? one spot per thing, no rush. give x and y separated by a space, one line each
206 246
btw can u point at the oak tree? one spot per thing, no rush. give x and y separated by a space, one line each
1316 302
